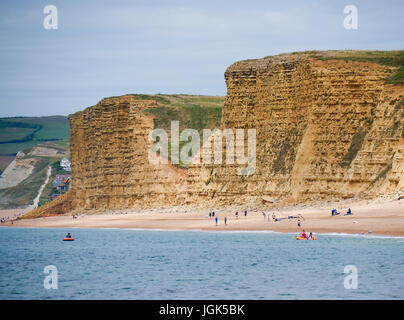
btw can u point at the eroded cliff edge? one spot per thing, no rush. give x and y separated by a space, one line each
326 129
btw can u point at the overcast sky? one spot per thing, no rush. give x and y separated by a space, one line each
108 48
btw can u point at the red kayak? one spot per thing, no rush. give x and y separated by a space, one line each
68 239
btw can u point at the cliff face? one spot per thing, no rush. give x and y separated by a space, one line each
326 129
109 155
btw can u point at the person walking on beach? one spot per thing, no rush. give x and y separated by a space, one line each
213 213
210 215
225 220
237 215
216 220
264 215
298 223
245 213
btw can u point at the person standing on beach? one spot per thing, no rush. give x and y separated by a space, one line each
245 213
216 220
237 215
225 220
210 215
298 223
264 215
213 213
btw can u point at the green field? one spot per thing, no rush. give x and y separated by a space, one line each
20 133
14 133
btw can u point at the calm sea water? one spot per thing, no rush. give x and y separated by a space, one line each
141 264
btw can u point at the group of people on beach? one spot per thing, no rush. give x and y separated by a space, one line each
12 218
334 212
213 215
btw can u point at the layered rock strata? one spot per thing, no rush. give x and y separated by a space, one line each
326 129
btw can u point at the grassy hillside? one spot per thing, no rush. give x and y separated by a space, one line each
23 193
21 133
192 112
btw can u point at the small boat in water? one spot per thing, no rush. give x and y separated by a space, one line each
301 238
68 237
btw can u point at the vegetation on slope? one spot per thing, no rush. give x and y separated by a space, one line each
393 58
192 111
24 193
48 190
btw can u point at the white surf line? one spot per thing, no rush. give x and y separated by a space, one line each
36 200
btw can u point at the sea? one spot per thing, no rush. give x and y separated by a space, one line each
128 264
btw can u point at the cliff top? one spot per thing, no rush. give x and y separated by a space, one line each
394 59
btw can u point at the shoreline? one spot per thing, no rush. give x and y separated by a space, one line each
370 218
338 234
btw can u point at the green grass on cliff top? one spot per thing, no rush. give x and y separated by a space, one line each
393 58
192 111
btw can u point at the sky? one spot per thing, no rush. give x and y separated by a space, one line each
110 48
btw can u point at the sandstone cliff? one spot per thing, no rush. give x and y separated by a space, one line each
327 128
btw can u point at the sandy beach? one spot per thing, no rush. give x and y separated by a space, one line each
385 218
14 212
